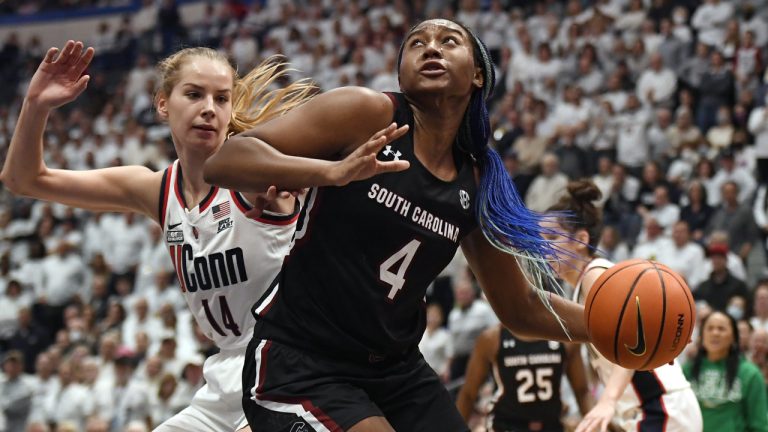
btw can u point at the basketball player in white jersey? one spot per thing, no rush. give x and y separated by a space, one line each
642 401
225 250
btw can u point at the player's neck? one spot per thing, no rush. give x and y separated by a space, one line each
195 187
575 271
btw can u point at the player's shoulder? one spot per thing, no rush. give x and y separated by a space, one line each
363 100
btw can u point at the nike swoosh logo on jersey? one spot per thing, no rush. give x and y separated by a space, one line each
172 226
639 348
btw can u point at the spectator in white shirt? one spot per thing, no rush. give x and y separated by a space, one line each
710 19
665 212
729 172
436 345
139 320
759 318
547 188
653 243
686 257
632 148
657 84
758 126
71 401
466 321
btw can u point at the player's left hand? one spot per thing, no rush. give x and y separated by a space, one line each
598 418
362 163
263 199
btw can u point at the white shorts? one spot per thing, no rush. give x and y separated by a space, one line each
217 406
682 414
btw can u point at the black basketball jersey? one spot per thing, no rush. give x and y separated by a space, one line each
354 282
527 376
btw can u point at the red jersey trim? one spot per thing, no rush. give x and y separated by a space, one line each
162 205
270 219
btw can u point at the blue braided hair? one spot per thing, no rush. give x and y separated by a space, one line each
504 219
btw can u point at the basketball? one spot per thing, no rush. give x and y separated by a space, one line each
640 314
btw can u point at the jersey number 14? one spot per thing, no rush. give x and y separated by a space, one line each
226 317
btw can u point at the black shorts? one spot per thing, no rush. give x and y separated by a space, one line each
289 390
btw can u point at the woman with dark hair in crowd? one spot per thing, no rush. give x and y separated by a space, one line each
730 389
335 343
697 212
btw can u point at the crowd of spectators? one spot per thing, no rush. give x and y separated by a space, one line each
660 102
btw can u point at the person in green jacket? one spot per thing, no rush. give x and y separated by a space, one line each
730 389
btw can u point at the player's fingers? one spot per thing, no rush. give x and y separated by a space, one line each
373 145
86 58
50 55
75 54
397 133
383 132
63 57
604 425
392 166
82 83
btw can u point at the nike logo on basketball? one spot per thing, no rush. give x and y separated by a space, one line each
172 226
639 348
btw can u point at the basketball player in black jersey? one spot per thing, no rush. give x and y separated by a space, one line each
527 375
335 346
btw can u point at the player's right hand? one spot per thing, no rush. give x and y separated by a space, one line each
362 163
60 78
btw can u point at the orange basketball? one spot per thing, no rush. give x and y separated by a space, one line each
640 314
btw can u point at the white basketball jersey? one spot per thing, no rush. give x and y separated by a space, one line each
224 260
664 379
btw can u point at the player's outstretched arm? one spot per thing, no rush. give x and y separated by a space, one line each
485 350
332 139
515 301
59 80
599 417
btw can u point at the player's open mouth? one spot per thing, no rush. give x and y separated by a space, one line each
432 68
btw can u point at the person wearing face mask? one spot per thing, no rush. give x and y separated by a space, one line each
736 307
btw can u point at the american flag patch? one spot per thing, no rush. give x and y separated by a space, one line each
220 210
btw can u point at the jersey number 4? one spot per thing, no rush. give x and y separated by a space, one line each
397 280
226 317
525 391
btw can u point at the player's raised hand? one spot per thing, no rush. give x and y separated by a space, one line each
60 77
362 163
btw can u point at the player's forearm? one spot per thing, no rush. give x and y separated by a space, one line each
465 403
250 165
572 315
24 162
617 383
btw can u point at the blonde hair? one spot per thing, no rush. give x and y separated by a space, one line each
252 100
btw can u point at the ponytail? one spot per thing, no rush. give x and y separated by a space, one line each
501 213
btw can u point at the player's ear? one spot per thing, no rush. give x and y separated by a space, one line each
161 104
582 236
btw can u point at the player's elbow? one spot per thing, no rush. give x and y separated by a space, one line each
14 182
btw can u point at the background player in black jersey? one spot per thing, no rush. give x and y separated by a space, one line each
527 375
335 344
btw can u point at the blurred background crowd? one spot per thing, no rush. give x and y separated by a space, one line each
660 102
